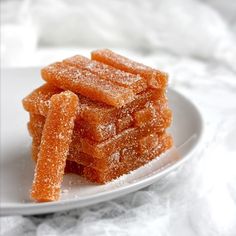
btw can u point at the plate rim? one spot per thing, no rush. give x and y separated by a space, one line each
67 204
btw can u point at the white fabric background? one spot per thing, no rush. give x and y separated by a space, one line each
192 40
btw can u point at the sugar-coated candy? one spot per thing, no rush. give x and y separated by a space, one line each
54 147
130 163
38 101
88 84
134 82
155 78
112 119
35 127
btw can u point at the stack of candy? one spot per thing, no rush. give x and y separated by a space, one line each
111 119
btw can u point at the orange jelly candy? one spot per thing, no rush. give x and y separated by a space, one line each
35 127
100 113
38 102
54 147
96 132
96 120
155 78
101 170
126 164
134 82
111 120
147 143
145 115
86 83
127 137
124 122
129 163
75 154
143 146
95 163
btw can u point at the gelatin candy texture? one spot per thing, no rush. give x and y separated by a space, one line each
155 78
129 164
134 82
54 147
86 83
38 102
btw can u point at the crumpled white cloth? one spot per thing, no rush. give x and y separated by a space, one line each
183 27
192 42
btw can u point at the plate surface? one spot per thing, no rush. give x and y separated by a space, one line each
16 167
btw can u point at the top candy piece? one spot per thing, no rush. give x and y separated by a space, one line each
155 78
86 83
134 82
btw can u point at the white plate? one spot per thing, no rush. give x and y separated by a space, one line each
16 171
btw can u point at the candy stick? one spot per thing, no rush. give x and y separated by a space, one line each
155 79
56 138
88 84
